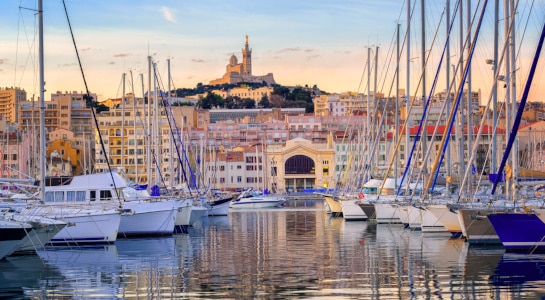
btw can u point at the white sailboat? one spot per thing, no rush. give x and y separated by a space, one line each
253 199
11 235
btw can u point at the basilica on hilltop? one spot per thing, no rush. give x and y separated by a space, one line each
242 72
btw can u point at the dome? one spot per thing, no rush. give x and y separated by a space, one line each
233 60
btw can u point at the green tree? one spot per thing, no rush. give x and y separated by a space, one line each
210 101
264 102
248 103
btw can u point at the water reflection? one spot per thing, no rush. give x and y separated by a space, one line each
293 252
521 274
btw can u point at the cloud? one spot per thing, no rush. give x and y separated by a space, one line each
309 50
285 50
121 55
167 14
112 63
3 61
66 65
198 60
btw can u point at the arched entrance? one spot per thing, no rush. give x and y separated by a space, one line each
299 173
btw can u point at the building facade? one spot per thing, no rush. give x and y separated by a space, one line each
10 100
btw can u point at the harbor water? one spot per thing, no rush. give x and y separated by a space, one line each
293 252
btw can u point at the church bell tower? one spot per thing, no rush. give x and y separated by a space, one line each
247 59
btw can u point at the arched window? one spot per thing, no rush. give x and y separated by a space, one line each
299 164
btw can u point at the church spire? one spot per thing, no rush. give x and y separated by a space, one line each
247 59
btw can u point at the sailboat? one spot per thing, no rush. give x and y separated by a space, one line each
523 230
92 223
11 235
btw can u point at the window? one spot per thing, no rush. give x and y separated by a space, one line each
59 196
49 197
105 195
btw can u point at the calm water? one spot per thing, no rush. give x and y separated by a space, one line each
295 252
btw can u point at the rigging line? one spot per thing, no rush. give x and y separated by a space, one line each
89 100
524 32
372 149
402 46
410 108
521 107
389 57
180 160
496 75
446 135
426 106
362 76
17 46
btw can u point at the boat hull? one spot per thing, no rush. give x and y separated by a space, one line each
447 217
40 236
254 204
11 235
89 229
368 210
519 231
476 228
387 213
146 218
335 207
220 207
183 216
352 211
197 212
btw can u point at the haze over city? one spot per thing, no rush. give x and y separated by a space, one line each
319 43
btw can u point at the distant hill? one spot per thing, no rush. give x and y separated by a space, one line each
281 97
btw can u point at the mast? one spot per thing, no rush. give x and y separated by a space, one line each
171 140
374 120
396 119
513 81
407 92
156 126
42 99
507 84
143 125
257 167
123 99
147 115
424 140
495 91
368 164
135 135
459 125
520 110
447 87
469 99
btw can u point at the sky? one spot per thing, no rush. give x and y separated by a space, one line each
303 42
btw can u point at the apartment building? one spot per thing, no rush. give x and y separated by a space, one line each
66 110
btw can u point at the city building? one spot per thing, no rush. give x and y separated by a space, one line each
10 99
246 92
66 110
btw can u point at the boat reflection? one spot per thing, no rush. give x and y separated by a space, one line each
517 269
19 274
